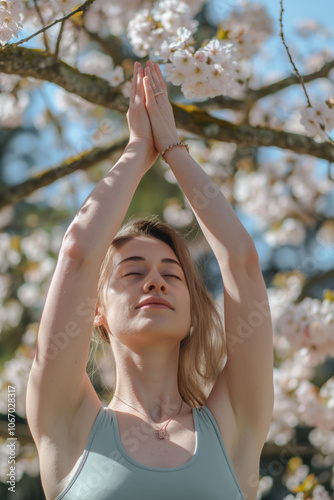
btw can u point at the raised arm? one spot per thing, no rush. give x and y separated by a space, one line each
246 383
58 381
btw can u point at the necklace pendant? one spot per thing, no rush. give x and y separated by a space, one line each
160 434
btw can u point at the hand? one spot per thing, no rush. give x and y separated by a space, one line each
140 131
159 108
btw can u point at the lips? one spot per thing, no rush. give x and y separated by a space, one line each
155 300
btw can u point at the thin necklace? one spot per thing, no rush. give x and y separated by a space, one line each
159 433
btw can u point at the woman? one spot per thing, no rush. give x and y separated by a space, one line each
160 436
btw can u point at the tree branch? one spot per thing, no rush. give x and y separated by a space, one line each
196 121
46 43
281 33
82 8
312 281
43 66
60 34
40 65
290 80
254 95
13 194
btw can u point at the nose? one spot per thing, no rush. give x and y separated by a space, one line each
155 281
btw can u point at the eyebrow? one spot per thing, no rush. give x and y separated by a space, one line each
137 258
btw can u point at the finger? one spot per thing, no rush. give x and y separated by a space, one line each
154 77
134 83
149 74
140 88
161 78
149 92
138 84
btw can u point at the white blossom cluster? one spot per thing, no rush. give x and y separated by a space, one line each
166 30
248 25
306 28
318 120
95 62
10 19
27 461
33 253
297 477
280 199
15 373
10 309
168 25
319 493
208 72
12 108
303 337
287 378
309 326
323 440
66 5
113 17
316 407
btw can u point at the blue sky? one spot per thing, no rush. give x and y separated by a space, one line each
320 10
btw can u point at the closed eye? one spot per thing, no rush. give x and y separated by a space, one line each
165 275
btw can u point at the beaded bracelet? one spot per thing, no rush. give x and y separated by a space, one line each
183 144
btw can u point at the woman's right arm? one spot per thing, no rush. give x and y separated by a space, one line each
58 381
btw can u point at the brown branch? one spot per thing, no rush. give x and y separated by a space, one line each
254 95
290 80
312 281
47 48
82 8
300 78
13 194
40 65
196 121
59 39
43 66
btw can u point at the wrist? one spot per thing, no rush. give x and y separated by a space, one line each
144 153
137 146
174 145
166 143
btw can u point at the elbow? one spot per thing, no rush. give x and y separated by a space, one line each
250 253
247 256
73 248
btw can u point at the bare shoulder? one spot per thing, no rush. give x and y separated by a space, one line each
241 446
60 448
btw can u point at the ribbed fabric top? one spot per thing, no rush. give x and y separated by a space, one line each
107 472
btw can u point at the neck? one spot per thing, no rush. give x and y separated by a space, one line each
148 382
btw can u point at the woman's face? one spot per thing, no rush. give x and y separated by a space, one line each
147 296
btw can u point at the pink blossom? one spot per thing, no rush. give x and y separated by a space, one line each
318 120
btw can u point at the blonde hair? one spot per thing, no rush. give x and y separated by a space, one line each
203 350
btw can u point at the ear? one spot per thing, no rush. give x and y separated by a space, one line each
99 319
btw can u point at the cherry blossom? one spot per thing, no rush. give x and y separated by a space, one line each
149 29
318 120
10 19
309 325
248 26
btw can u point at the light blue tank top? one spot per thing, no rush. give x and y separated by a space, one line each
107 472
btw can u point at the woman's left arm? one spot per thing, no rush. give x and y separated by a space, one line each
246 381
